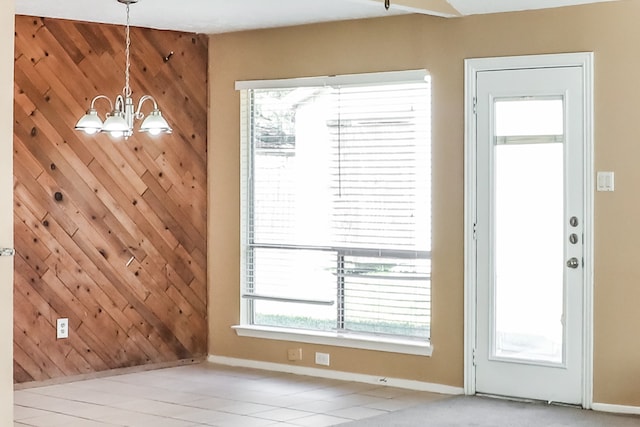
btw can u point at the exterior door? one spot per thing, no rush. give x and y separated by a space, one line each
529 233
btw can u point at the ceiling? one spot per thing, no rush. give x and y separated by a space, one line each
220 16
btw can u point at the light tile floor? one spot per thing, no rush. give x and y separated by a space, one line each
208 395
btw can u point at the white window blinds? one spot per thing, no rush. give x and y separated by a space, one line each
336 204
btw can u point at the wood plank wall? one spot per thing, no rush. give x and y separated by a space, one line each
85 205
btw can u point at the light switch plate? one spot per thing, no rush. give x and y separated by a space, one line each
606 181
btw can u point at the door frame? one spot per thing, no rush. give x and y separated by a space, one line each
472 67
7 21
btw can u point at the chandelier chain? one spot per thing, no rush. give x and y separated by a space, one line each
127 87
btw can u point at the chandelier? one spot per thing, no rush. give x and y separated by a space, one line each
120 120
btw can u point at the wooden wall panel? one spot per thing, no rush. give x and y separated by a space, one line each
143 197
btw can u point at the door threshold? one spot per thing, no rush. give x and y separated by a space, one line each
526 400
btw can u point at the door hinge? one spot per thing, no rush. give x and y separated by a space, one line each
475 105
475 231
7 252
473 357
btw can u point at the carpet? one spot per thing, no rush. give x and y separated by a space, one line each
488 412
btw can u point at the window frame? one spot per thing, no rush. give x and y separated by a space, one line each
246 328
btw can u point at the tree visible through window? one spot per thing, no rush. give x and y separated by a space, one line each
337 208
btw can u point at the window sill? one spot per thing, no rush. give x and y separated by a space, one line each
365 342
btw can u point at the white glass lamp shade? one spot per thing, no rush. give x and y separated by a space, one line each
155 124
90 123
116 125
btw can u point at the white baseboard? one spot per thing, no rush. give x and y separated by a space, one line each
337 375
617 409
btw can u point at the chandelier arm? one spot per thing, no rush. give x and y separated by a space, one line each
93 101
119 104
139 114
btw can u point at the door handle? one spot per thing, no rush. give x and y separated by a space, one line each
7 252
573 263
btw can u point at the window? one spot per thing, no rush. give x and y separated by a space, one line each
336 207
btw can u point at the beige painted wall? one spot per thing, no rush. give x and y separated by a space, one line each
6 211
440 45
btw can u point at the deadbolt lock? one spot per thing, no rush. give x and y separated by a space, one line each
573 263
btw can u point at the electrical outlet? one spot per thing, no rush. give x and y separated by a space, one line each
62 330
294 354
322 359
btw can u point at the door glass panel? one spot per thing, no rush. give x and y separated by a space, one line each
529 246
529 116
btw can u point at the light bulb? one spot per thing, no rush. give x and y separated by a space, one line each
155 132
116 134
90 131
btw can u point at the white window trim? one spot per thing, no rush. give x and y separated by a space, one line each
337 339
351 340
345 79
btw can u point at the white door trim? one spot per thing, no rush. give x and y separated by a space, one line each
472 67
7 25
